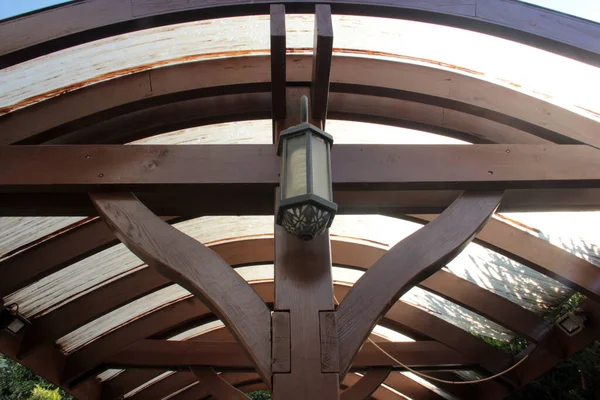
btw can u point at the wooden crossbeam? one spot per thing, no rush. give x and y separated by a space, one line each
149 353
366 385
240 179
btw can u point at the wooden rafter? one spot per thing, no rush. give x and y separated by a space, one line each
63 116
218 387
58 323
321 66
366 385
163 354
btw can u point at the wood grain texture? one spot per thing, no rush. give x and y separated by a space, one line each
304 287
278 61
330 362
321 66
195 267
161 168
218 387
410 261
281 336
362 389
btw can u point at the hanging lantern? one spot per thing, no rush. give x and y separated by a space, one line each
305 208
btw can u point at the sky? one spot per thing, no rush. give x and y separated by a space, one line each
589 9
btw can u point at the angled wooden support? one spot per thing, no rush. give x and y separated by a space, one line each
321 67
218 387
195 267
278 48
367 384
406 264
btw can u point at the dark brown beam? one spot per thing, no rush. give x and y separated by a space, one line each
194 266
411 260
218 387
65 319
367 384
411 388
41 33
230 355
321 66
213 94
278 49
71 169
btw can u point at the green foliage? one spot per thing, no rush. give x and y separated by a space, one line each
39 393
19 383
574 379
260 395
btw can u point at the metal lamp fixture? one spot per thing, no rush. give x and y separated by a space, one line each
572 322
12 321
306 206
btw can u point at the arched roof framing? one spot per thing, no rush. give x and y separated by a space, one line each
88 20
560 41
479 108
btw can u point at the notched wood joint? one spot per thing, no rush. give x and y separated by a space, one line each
281 342
330 362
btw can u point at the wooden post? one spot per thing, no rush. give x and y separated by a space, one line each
304 289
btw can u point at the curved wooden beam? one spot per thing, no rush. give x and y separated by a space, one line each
218 387
195 267
212 80
72 24
366 385
410 261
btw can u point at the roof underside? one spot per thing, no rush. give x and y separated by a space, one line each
133 72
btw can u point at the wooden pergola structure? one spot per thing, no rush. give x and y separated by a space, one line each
286 333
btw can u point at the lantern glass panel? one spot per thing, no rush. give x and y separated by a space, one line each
320 168
295 182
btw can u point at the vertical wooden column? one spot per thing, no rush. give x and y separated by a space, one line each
305 353
304 290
